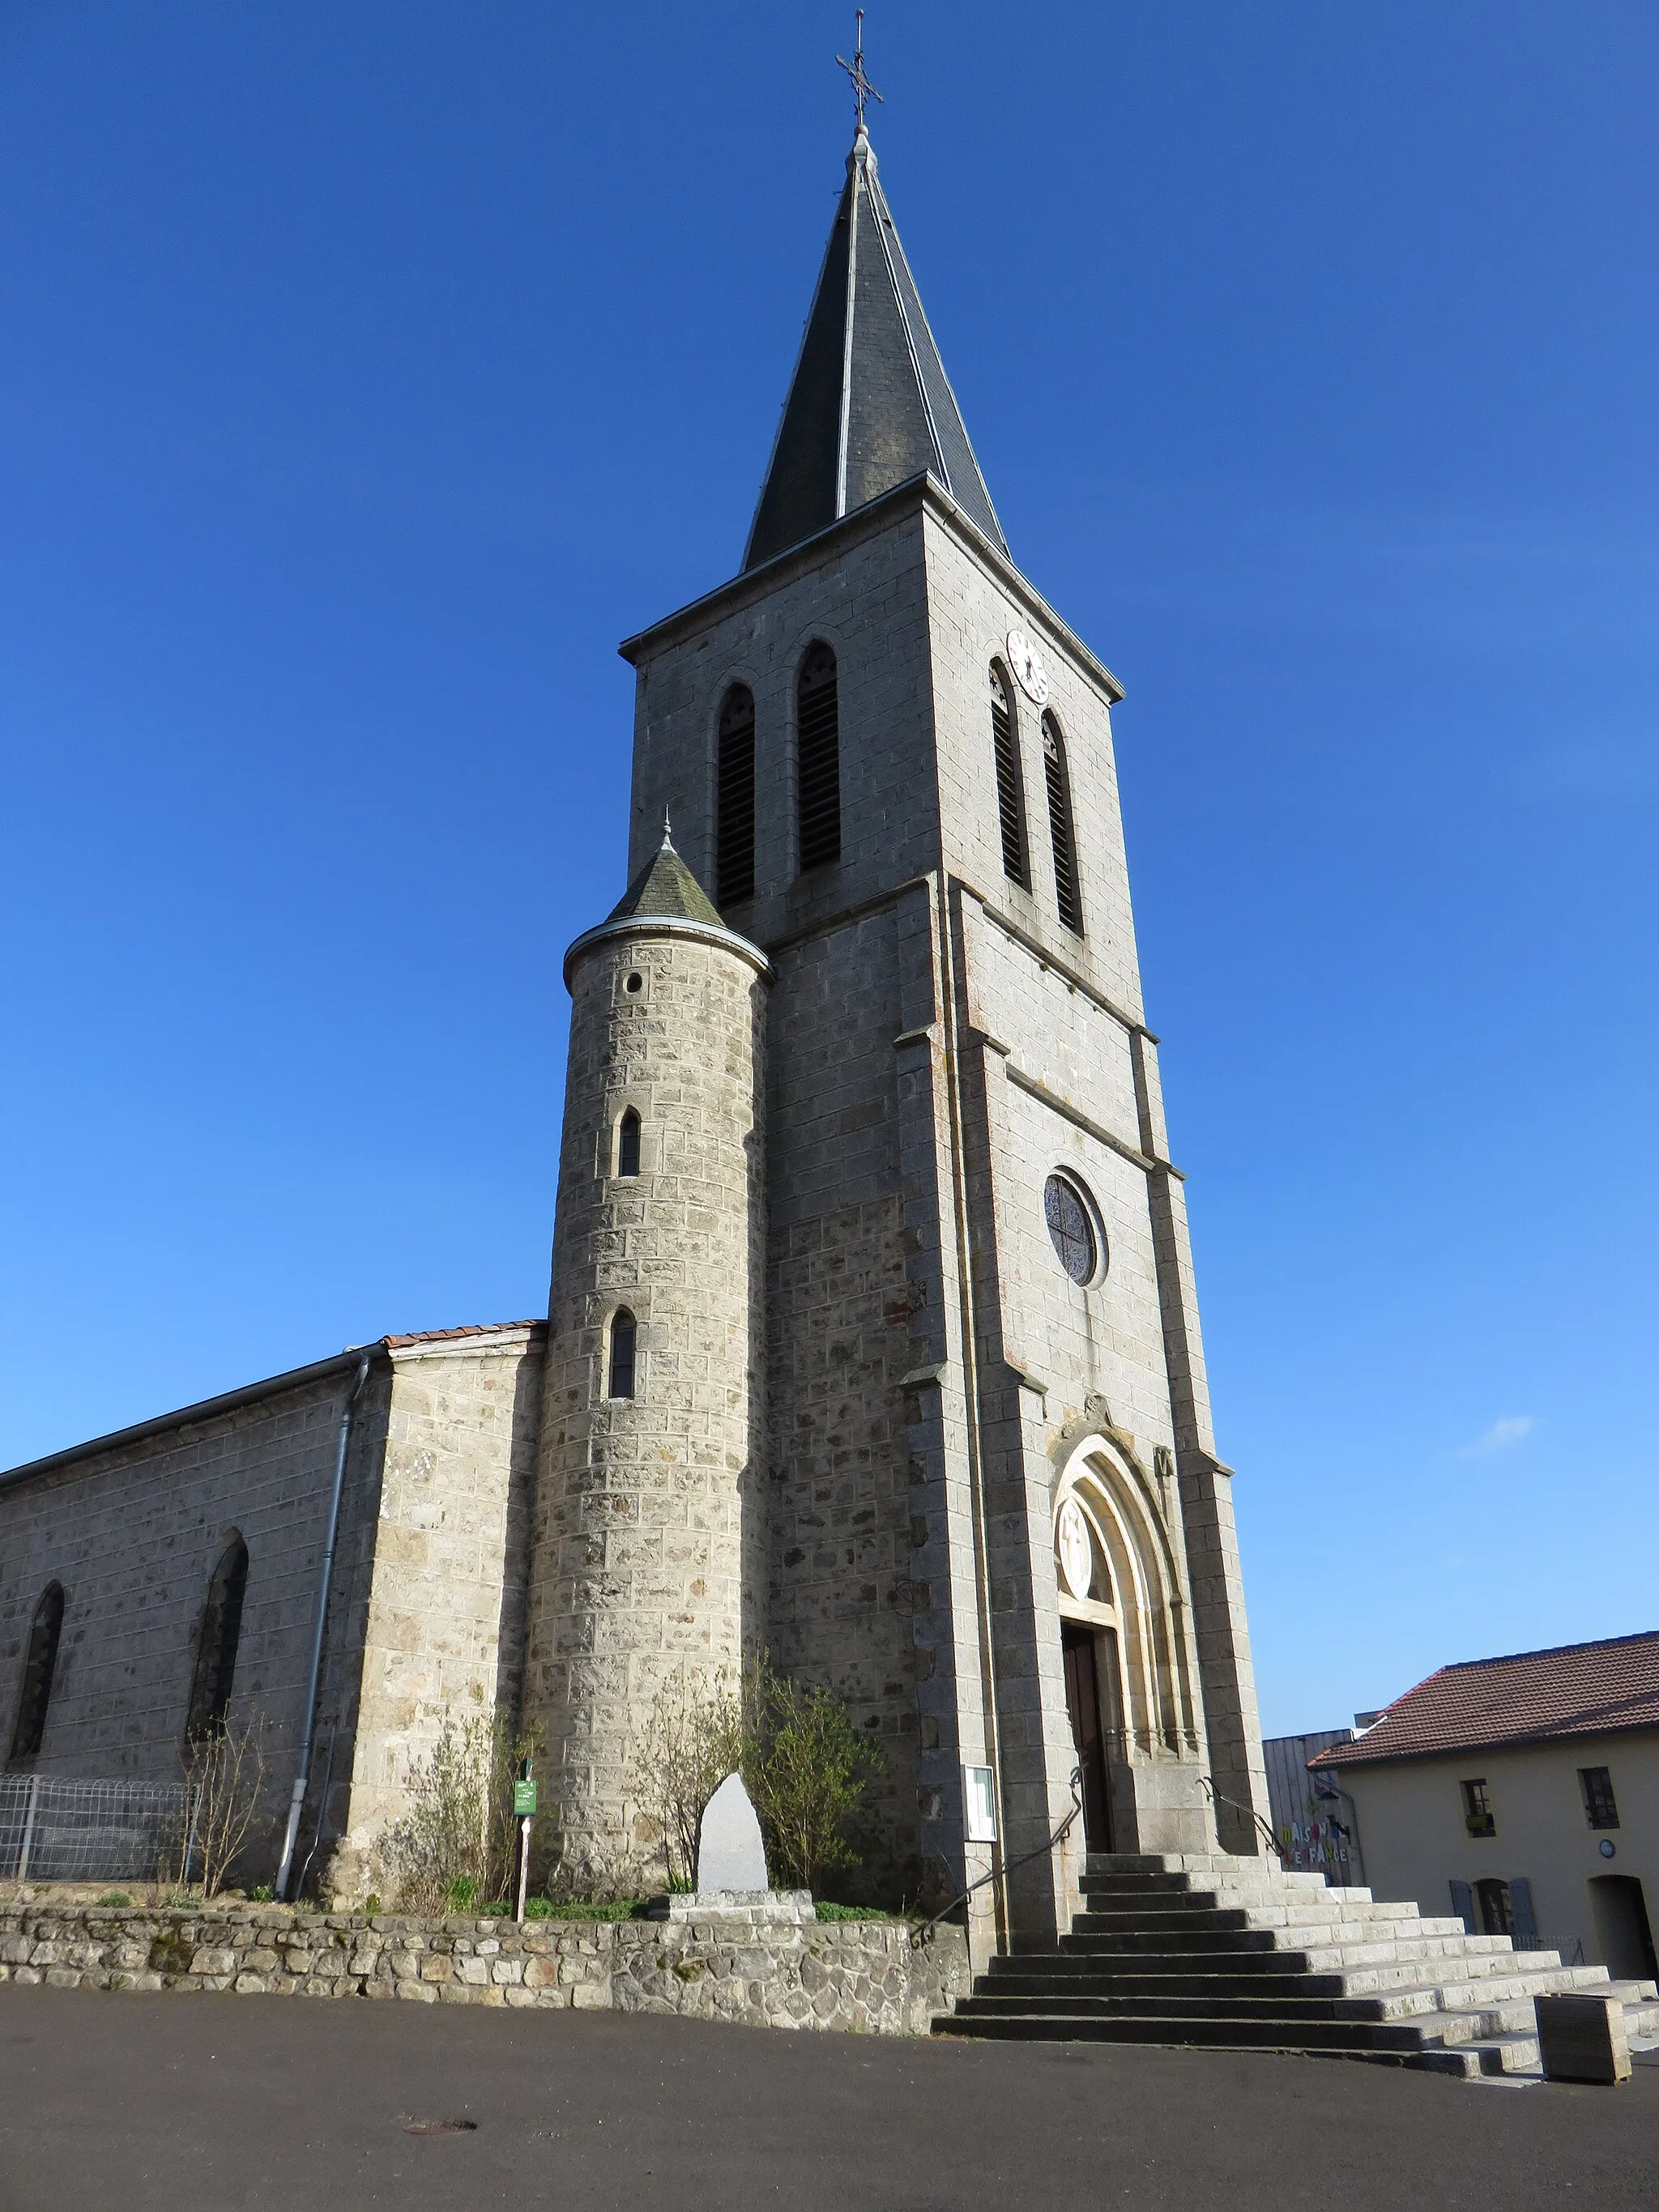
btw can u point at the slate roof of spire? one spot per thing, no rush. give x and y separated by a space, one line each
1528 1696
665 886
870 404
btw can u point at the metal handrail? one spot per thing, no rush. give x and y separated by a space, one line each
1217 1798
924 1934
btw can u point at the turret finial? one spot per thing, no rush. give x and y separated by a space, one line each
667 832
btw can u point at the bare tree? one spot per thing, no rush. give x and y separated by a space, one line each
694 1739
225 1770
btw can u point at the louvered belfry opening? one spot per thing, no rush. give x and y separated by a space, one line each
39 1668
817 759
734 834
1011 797
216 1650
1059 787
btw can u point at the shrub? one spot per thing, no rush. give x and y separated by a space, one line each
457 1842
804 1763
806 1770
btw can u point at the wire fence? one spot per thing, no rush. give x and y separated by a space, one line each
88 1830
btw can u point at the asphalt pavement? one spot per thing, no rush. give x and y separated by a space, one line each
211 2103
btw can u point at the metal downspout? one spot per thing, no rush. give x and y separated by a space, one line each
302 1779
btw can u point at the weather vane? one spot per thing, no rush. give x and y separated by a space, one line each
862 87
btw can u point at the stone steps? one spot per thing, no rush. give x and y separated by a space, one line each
1223 1953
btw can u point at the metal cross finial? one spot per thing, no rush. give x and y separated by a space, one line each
862 87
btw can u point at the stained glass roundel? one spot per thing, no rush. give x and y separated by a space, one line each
1070 1227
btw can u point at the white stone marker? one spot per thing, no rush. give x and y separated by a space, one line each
730 1855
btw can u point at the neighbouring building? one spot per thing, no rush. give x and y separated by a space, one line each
873 1336
1314 1825
1524 1791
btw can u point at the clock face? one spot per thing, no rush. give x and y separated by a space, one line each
1029 672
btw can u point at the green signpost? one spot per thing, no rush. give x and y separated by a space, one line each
524 1811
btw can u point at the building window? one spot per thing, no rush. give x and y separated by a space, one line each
624 1336
39 1667
1601 1806
1477 1809
734 834
1058 785
216 1648
817 759
1497 1908
1011 794
628 1144
1071 1228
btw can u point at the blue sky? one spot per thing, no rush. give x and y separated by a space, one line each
370 370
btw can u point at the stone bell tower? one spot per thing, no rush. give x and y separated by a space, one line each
648 1551
995 1519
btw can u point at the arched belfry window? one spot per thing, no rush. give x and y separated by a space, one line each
818 758
624 1341
216 1648
1011 795
628 1144
1058 785
39 1664
734 827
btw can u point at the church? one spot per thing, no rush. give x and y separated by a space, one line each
872 1338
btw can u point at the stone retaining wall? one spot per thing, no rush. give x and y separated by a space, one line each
849 1974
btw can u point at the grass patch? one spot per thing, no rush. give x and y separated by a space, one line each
828 1912
116 1896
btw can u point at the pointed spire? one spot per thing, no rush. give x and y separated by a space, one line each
665 886
870 404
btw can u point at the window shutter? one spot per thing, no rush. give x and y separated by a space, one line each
734 832
1462 1898
1058 785
817 759
1011 803
1526 1927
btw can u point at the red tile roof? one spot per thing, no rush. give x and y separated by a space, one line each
468 1328
1579 1689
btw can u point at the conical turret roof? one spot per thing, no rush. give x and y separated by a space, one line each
870 404
665 886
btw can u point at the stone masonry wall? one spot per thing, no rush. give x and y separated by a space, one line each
434 1622
133 1533
863 1975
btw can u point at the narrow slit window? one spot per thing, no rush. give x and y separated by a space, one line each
624 1338
216 1650
1011 797
39 1668
628 1144
817 759
1059 787
734 836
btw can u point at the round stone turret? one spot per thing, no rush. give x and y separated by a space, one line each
648 1554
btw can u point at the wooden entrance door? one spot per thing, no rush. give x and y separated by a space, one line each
1083 1703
